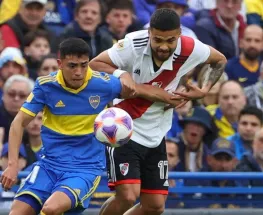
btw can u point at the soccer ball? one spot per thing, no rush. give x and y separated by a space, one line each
113 127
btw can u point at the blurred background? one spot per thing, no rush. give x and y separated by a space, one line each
214 144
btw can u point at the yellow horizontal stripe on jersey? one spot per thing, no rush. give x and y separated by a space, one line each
27 111
73 125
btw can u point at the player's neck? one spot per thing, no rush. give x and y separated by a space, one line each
157 62
35 141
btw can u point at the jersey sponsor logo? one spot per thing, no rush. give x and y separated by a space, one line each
124 168
60 104
137 71
157 84
94 101
242 79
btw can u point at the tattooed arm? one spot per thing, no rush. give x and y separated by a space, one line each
217 62
216 68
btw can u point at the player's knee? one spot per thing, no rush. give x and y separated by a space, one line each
50 210
129 199
153 209
128 195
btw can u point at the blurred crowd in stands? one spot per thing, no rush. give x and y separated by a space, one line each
220 133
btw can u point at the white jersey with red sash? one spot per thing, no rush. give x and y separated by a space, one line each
133 54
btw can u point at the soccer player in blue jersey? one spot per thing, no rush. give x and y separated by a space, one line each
65 178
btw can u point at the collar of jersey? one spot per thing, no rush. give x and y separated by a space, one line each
249 67
62 82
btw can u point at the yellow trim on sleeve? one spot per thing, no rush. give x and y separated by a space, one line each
31 194
30 113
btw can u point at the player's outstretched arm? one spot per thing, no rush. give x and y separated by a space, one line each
9 176
104 63
217 63
155 94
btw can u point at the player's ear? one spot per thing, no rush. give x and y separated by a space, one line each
59 63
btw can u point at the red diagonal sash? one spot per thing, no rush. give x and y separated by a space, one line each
138 106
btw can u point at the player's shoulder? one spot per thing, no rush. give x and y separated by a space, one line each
138 39
101 76
47 79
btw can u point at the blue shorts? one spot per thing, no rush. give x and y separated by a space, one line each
42 182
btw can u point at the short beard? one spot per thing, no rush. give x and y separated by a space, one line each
250 56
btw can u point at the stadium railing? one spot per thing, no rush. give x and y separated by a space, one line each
193 195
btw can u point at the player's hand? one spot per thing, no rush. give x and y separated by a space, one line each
193 92
9 177
128 86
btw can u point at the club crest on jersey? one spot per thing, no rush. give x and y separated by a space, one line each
157 84
120 44
124 168
94 101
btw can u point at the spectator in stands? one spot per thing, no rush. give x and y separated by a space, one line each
119 18
172 153
254 93
221 159
59 14
30 17
179 7
192 150
8 9
86 26
253 162
212 97
144 9
11 63
211 4
32 137
254 12
22 158
31 149
250 121
231 101
222 28
186 14
245 68
36 47
47 65
16 90
179 114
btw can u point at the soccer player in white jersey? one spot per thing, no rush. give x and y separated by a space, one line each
159 56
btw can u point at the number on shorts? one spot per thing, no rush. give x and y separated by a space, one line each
163 166
33 175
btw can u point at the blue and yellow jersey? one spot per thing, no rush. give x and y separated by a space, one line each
254 9
67 132
239 70
225 128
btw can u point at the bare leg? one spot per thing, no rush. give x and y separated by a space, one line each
21 208
126 195
151 204
56 204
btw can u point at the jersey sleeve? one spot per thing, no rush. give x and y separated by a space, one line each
201 52
35 101
116 87
121 53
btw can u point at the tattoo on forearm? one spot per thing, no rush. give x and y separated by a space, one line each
213 73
